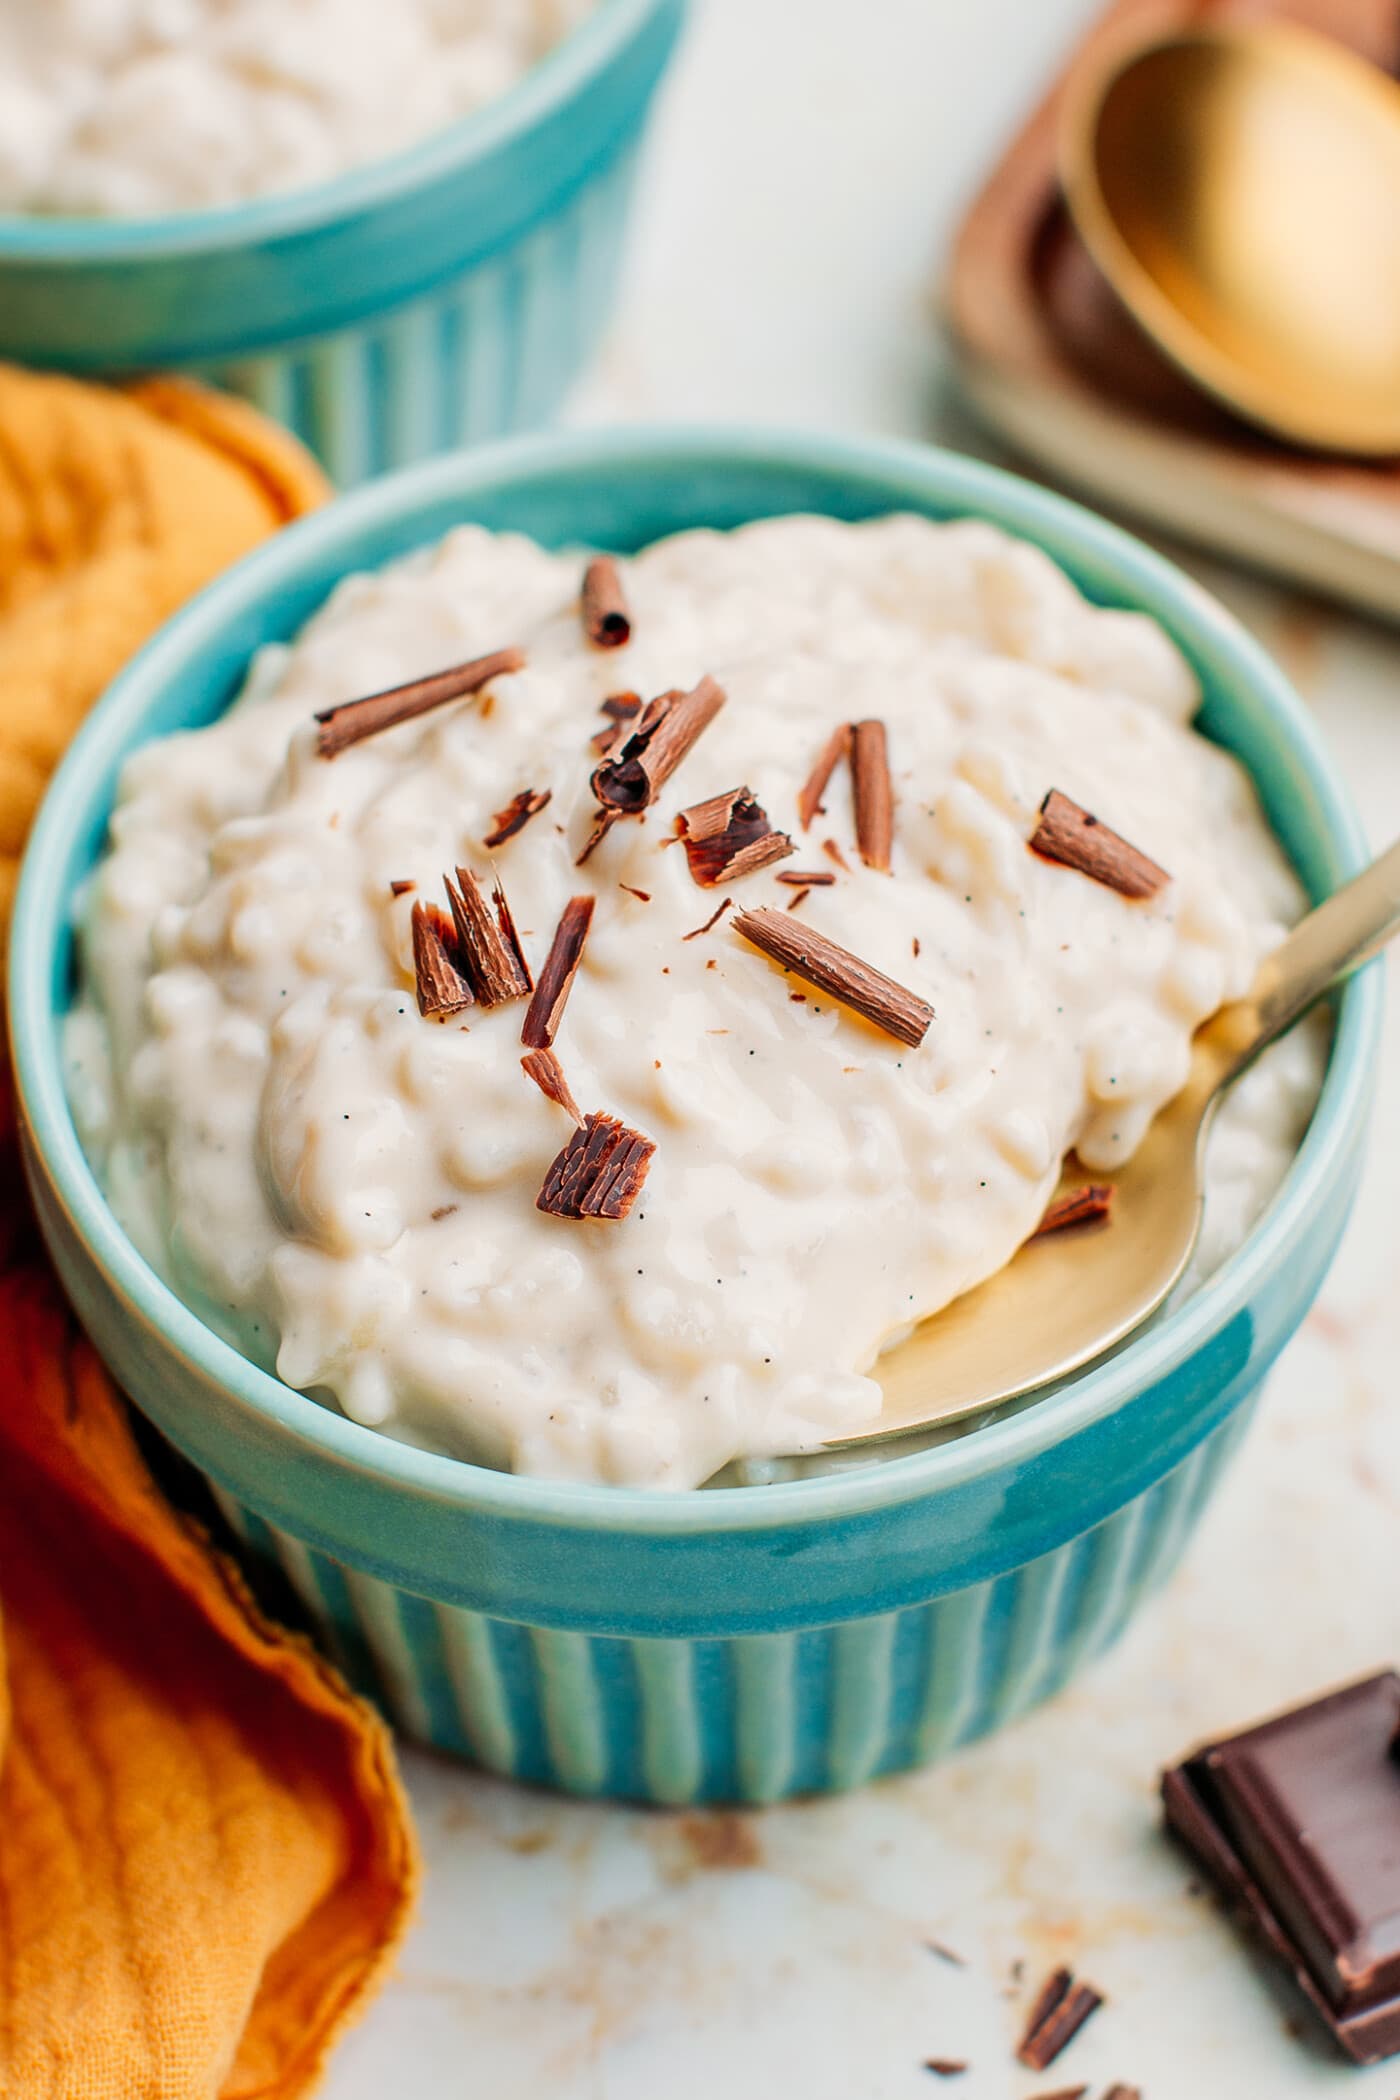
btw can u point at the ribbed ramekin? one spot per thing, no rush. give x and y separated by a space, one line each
443 296
738 1643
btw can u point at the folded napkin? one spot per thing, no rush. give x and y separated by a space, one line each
205 1854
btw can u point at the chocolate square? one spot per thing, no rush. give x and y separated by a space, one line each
1298 1823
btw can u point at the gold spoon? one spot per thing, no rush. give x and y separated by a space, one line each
1240 190
1059 1304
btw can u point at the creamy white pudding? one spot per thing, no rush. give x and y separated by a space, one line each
348 1190
123 108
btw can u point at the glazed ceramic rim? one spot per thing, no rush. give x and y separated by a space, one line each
913 473
550 85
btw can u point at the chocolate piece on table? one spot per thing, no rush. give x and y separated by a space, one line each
1068 834
606 619
1082 1206
488 949
516 815
809 796
353 720
834 970
599 1173
546 1009
1297 1821
874 794
727 837
1060 2010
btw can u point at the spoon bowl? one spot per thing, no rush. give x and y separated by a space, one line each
1059 1304
1239 187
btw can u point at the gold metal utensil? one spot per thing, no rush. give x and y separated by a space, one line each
1240 189
1060 1304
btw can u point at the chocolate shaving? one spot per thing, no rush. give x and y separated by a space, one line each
713 920
666 730
805 878
444 1210
489 948
546 1009
642 896
1082 1206
727 837
548 1074
809 795
833 852
834 970
874 794
945 2066
1068 834
1059 2012
606 620
1064 2092
353 720
402 889
442 984
516 815
1123 2092
799 898
599 1173
621 709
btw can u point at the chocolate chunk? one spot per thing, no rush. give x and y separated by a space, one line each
353 720
1297 1821
442 983
606 620
1068 834
834 970
1082 1206
809 795
548 1074
599 1173
727 837
546 1009
488 948
874 794
1055 2019
515 816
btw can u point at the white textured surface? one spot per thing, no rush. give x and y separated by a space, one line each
587 1953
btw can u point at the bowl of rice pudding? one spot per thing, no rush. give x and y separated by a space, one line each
540 975
396 229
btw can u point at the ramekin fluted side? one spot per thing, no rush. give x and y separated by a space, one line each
489 354
759 1717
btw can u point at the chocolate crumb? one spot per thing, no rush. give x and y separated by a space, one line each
1063 2092
798 897
516 815
444 1210
606 619
488 944
339 727
438 969
830 968
1123 2092
806 878
713 920
402 889
945 2066
1060 2010
917 950
544 1068
1068 834
727 837
874 794
1082 1206
642 896
809 795
599 1173
833 852
546 1009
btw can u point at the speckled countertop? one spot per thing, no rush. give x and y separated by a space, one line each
572 1952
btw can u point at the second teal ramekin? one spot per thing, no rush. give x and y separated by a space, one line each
742 1643
443 296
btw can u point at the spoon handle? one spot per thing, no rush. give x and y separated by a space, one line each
1353 925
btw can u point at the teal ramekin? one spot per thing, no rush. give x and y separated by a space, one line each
434 299
732 1644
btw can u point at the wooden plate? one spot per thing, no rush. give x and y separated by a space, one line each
1052 361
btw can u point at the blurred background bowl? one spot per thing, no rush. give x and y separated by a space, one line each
731 1643
420 303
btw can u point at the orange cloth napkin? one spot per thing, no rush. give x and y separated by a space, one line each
205 1854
